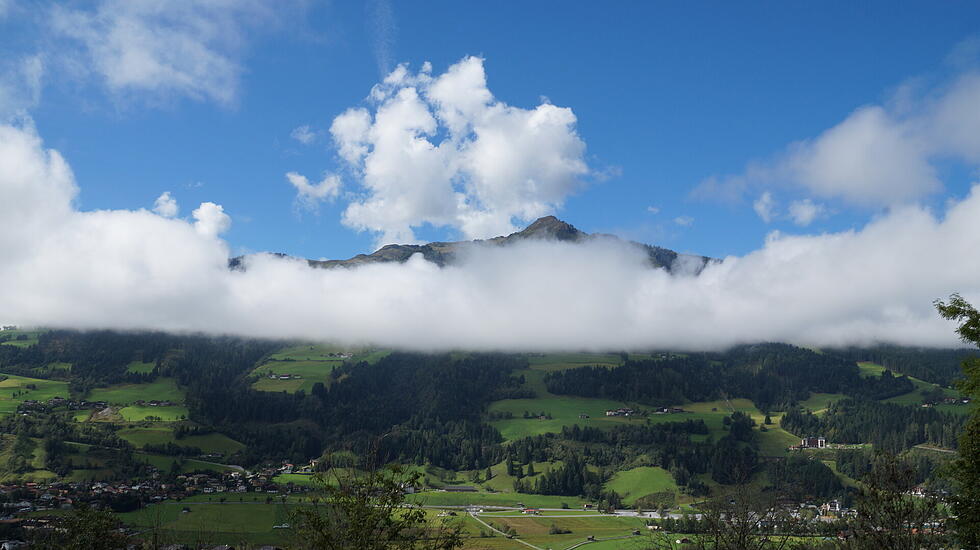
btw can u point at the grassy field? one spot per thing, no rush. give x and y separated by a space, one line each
14 391
141 367
161 389
160 435
136 413
240 523
313 362
819 402
443 498
36 462
914 397
535 530
164 463
11 337
640 482
213 523
564 409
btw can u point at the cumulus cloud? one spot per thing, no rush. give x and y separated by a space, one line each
880 155
210 219
765 206
303 134
310 195
166 205
803 212
441 150
123 269
684 221
181 47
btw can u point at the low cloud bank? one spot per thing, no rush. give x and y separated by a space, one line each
120 269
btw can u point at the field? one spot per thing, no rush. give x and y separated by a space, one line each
566 410
212 523
819 402
164 463
159 435
12 337
443 498
161 389
313 363
241 520
141 367
14 391
36 461
640 482
137 413
914 397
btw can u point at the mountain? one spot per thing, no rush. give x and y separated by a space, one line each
548 228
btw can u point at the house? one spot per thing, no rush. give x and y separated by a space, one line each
813 443
583 416
623 411
830 508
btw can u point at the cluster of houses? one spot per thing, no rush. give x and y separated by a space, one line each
33 406
622 411
949 401
274 376
810 443
155 403
65 495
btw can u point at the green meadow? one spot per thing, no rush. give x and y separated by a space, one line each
160 435
14 390
140 367
914 397
640 482
566 410
818 403
161 389
13 337
212 523
312 362
137 413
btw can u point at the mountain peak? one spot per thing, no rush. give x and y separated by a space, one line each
550 227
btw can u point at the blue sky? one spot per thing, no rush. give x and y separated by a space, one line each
828 153
665 95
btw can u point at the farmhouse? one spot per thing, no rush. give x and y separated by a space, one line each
623 411
813 443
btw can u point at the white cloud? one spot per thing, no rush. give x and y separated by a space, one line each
20 84
210 219
803 212
303 134
869 158
765 206
653 209
442 150
138 270
308 194
182 47
880 155
166 205
684 221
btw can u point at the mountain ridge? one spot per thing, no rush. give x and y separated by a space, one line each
547 228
